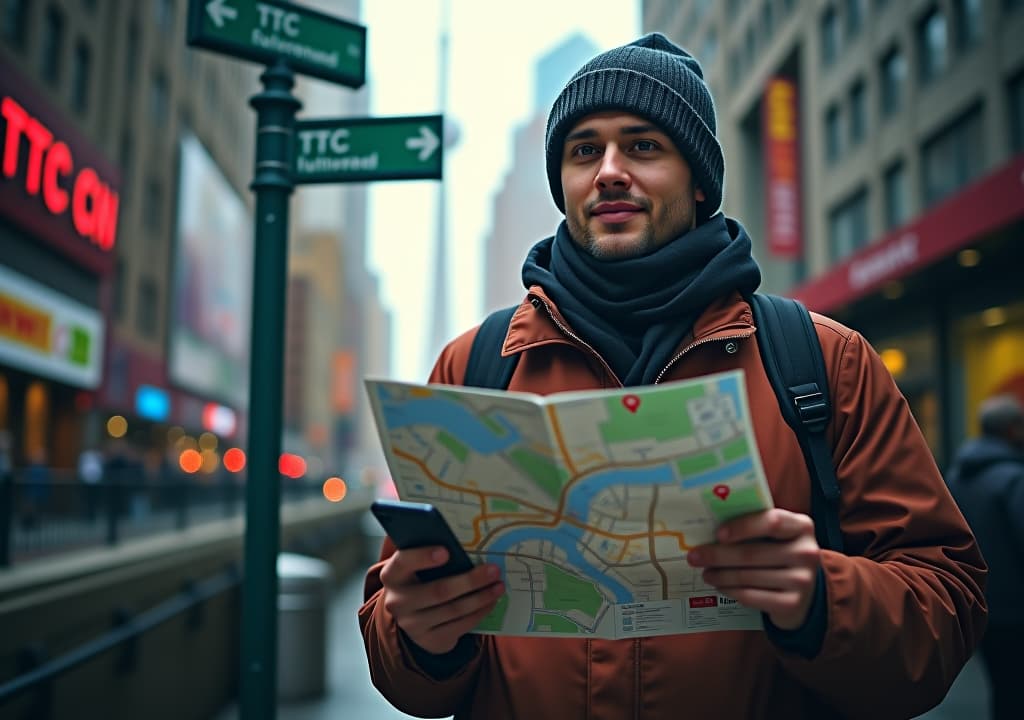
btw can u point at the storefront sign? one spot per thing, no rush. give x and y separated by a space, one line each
782 164
52 182
981 208
48 334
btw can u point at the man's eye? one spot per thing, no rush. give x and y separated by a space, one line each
645 145
584 150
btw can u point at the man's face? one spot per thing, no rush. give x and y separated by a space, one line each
627 189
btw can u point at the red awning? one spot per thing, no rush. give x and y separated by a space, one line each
983 207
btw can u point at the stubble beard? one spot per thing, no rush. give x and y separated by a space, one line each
645 243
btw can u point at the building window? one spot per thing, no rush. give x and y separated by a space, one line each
735 67
53 45
833 135
969 28
897 197
751 45
709 49
152 209
767 21
829 36
854 17
1017 112
932 51
126 158
146 310
1012 4
158 102
164 12
858 113
14 22
131 53
848 226
119 284
953 157
894 72
80 78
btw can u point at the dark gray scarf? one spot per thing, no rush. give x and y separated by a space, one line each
635 312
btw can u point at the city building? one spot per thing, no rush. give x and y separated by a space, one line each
126 240
873 150
103 104
523 210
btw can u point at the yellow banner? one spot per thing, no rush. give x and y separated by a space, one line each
24 324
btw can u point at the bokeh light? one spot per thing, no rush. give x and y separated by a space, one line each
175 434
234 460
291 465
211 461
190 461
117 426
207 441
335 489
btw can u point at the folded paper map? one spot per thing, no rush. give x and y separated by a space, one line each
588 501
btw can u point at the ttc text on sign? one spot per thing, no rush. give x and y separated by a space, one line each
365 149
311 42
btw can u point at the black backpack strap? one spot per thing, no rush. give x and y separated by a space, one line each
487 368
792 358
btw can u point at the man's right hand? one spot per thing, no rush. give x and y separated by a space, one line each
436 614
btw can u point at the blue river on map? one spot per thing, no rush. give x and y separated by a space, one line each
458 421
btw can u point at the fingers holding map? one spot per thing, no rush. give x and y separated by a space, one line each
588 501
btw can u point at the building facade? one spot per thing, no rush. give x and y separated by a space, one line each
126 239
873 149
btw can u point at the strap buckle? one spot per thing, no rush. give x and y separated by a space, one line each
812 410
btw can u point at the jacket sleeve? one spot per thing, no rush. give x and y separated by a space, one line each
395 668
906 605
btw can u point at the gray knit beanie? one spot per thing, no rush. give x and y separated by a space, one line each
656 79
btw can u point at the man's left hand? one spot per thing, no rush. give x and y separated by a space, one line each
767 561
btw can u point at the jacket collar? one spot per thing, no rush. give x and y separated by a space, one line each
533 325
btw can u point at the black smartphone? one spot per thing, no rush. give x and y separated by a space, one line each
412 525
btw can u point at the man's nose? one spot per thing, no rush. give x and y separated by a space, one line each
612 171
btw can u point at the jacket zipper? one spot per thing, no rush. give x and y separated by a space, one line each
691 346
577 338
661 375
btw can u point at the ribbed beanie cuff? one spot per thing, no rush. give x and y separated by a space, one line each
655 79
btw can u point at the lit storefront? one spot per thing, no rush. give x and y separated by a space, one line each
942 300
58 226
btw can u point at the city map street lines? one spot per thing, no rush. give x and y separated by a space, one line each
587 501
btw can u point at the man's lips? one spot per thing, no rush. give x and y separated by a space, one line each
613 213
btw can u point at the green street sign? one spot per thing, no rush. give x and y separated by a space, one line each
311 42
366 149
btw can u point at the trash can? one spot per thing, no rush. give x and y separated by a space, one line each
303 589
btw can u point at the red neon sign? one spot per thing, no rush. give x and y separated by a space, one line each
49 167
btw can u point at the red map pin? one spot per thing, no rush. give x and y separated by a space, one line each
632 402
722 491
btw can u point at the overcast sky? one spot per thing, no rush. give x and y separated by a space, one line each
493 48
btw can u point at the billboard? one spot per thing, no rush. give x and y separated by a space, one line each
782 168
212 294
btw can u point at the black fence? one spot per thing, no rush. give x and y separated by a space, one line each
47 513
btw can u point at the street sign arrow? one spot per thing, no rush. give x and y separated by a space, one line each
426 142
219 12
366 149
311 42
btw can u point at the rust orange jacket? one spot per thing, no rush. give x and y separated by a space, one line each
905 605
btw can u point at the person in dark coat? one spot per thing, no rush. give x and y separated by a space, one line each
987 481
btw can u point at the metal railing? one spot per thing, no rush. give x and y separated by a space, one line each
41 673
44 514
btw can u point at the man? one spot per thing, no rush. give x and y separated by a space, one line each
644 283
987 480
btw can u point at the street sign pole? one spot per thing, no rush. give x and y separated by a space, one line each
275 120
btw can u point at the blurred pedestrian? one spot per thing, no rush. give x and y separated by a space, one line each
38 487
90 474
987 480
647 281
